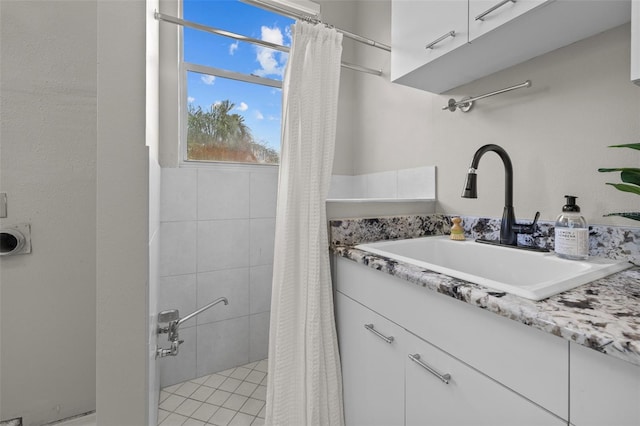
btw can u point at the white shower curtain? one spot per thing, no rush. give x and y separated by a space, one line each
305 384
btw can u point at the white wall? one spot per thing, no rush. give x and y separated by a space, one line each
555 132
123 200
48 145
152 141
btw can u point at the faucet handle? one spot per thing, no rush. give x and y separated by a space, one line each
520 228
535 220
168 316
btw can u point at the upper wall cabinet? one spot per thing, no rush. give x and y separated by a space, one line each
487 15
439 45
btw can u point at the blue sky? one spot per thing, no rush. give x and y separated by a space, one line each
260 105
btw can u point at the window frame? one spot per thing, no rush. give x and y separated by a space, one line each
184 68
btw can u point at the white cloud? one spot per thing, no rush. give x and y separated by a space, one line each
271 62
216 103
208 79
272 35
233 47
259 115
191 99
242 107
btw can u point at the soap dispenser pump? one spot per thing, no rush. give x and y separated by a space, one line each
571 232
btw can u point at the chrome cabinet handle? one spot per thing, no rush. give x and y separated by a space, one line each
377 333
492 8
444 37
443 377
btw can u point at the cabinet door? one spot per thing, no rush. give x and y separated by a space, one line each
416 24
469 397
604 390
485 15
372 367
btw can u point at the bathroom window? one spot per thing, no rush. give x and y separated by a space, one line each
232 97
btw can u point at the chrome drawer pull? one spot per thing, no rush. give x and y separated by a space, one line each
491 9
444 37
444 377
377 333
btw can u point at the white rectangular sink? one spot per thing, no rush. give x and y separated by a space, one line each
532 275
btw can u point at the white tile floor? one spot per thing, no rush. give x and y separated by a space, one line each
235 397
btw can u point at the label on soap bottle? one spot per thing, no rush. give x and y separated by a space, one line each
572 241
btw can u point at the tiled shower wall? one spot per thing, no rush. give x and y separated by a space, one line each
216 239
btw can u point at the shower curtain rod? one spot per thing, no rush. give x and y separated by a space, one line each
172 19
269 5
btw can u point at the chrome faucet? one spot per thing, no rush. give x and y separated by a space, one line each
509 229
172 318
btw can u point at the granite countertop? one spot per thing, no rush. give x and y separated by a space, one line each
603 315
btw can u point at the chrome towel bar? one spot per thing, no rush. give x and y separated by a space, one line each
467 103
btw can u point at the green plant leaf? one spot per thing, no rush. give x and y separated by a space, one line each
626 188
627 145
630 176
620 169
628 215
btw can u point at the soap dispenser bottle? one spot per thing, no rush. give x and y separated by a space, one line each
571 232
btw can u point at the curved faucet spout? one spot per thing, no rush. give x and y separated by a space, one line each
507 234
204 308
471 186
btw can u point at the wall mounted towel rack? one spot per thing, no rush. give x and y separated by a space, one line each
466 104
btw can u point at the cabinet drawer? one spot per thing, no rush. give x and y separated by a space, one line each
430 401
529 361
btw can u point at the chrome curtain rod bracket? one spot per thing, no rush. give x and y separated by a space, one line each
172 19
466 104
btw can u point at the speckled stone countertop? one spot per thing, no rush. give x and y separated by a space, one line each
603 315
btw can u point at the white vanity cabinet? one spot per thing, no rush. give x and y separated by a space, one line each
511 33
501 372
604 390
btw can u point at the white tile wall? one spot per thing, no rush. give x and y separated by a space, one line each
419 182
258 336
264 187
382 185
342 187
262 241
175 369
217 232
415 183
177 248
230 283
260 288
222 343
179 195
223 244
223 194
178 292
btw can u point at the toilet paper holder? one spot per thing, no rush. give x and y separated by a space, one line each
15 240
